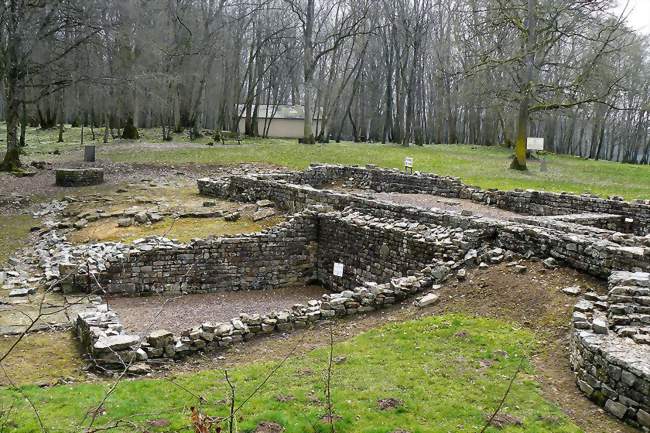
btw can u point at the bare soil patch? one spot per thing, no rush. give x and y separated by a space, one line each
179 313
430 201
15 192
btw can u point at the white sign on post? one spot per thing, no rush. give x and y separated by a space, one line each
408 162
338 269
535 143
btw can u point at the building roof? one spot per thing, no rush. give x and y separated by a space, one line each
281 111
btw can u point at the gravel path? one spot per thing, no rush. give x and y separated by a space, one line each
429 201
183 312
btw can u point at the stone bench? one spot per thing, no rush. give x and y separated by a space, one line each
79 176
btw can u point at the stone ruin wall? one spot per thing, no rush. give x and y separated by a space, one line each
593 250
281 256
110 347
392 240
300 250
384 248
527 202
610 348
372 279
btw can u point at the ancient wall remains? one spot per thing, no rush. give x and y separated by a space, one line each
611 347
384 247
596 251
280 256
79 176
111 347
526 202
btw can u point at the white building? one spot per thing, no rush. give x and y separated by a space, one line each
281 121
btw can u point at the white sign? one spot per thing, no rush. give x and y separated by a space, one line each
338 269
535 143
408 162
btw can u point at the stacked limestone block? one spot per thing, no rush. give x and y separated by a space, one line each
104 339
112 348
384 247
609 352
528 202
283 255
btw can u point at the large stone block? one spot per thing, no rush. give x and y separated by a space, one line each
79 176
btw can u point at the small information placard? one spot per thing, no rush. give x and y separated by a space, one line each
338 269
408 162
535 143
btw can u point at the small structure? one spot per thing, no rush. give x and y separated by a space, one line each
408 164
279 121
79 176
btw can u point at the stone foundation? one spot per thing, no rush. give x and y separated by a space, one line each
280 256
604 237
110 347
389 252
584 247
610 350
527 202
79 176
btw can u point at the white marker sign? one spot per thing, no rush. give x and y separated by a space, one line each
338 269
535 143
408 162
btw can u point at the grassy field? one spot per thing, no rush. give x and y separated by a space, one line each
14 231
476 165
447 372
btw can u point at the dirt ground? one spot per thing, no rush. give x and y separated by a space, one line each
17 191
179 313
430 201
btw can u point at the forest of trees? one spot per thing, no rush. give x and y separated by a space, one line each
485 72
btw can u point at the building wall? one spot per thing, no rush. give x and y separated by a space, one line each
280 128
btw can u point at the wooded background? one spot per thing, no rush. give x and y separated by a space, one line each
419 71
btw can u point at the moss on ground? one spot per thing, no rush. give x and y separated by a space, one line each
40 358
448 372
14 233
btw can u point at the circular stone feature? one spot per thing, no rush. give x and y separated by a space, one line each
79 176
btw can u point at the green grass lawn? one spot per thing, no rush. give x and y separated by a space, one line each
450 373
486 167
14 230
475 165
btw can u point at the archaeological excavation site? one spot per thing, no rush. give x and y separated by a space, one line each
329 244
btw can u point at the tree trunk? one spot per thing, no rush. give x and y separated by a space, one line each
11 161
519 161
308 133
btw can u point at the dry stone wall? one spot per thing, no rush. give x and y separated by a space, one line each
110 347
526 202
384 247
281 256
610 350
596 251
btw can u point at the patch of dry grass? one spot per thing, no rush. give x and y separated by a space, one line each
183 229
